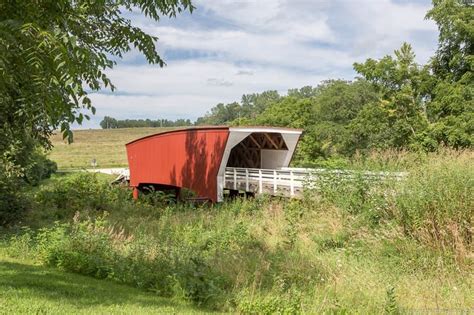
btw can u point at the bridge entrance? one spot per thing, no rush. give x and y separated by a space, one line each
258 150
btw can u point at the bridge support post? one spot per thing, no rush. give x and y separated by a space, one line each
177 194
135 193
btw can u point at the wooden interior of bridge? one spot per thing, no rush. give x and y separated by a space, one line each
248 152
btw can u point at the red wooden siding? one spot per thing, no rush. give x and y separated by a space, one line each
187 158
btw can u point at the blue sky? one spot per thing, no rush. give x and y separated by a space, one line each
229 48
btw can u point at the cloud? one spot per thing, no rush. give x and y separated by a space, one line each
244 72
219 82
227 48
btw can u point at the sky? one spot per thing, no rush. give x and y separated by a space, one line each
227 48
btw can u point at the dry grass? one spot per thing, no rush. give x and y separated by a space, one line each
107 146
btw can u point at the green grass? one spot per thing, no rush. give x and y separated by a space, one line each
26 288
352 247
107 146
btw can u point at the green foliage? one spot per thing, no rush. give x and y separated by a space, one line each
399 116
53 53
94 248
77 192
359 195
395 104
454 58
39 168
13 204
234 113
270 304
293 214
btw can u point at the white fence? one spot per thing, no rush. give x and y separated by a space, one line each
291 181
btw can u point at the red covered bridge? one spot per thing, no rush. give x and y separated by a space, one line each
208 160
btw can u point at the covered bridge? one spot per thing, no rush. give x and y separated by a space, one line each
208 160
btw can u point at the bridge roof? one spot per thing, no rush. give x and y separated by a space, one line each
262 129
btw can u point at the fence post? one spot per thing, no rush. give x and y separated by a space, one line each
246 179
260 185
292 184
274 182
235 179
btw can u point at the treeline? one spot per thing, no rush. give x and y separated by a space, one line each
393 103
109 123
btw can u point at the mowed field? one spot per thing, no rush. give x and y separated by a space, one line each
106 146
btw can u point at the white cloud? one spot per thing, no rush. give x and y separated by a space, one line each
227 48
187 89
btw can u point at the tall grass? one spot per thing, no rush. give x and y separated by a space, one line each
353 246
436 203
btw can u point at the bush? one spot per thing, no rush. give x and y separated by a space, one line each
39 168
95 248
76 192
276 303
13 203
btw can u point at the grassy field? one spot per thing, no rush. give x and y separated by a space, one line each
107 146
352 247
26 288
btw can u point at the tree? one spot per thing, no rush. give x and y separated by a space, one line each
254 104
398 117
52 53
324 112
108 123
451 111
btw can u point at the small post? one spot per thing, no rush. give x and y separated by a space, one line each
260 184
246 179
94 163
135 193
274 182
292 184
235 179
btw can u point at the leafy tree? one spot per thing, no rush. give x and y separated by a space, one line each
304 92
289 111
398 117
324 112
108 123
452 108
221 114
256 103
52 53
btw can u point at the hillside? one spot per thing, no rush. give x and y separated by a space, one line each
107 146
27 288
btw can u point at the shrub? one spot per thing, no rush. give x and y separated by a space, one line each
276 303
22 245
76 192
95 248
13 203
39 168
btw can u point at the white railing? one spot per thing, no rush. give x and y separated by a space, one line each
290 181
